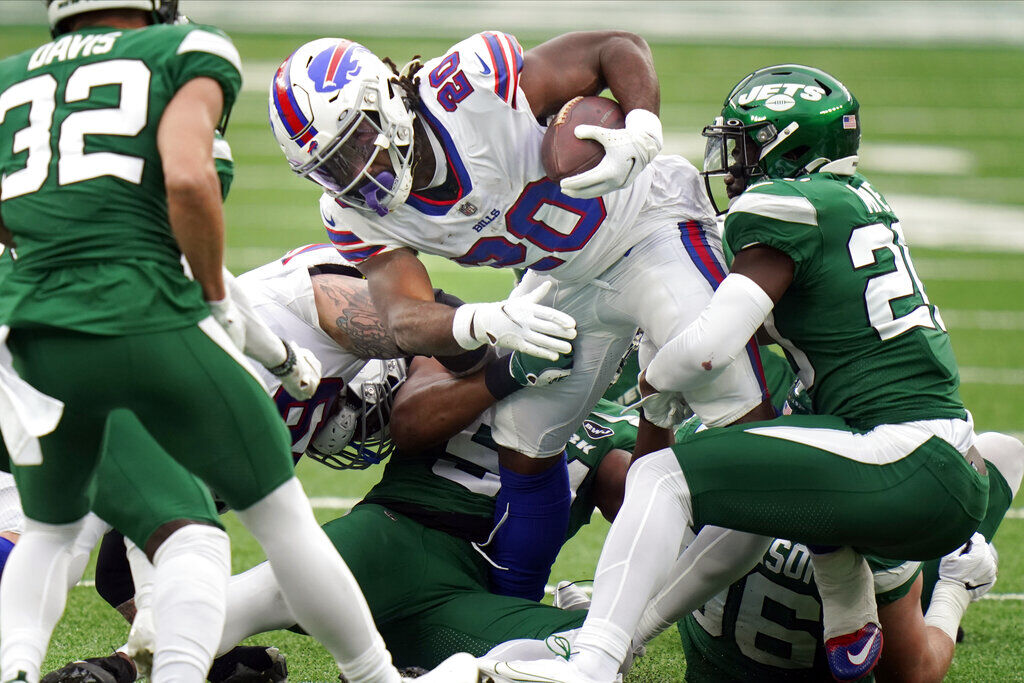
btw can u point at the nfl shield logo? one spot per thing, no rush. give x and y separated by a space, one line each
467 209
850 122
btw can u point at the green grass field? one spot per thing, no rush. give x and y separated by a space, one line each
965 103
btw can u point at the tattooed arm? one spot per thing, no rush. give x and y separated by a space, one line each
348 316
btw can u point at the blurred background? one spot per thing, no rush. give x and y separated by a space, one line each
942 108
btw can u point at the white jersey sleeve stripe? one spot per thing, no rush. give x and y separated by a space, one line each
788 209
204 41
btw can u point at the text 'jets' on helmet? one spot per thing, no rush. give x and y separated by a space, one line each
357 434
781 122
163 11
334 106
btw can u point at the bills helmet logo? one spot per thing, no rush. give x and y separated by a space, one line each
333 68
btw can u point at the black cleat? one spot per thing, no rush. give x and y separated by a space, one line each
111 669
249 664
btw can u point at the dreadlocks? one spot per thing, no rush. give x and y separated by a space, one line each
407 80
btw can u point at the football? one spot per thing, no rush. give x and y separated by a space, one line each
562 153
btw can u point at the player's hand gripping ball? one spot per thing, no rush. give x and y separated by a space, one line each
562 153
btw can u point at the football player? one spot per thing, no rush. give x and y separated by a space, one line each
444 158
887 464
723 639
309 296
110 337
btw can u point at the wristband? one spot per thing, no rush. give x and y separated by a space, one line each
468 362
498 378
289 362
462 324
947 607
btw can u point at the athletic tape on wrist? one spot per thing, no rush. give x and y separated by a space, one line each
289 362
949 602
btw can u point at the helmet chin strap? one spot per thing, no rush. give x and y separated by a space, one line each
370 191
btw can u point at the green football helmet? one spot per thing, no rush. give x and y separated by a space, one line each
781 122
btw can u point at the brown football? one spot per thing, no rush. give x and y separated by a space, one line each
562 153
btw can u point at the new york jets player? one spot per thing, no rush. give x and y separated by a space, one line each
107 181
886 465
767 626
445 159
429 519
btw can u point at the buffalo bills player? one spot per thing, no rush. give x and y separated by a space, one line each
443 157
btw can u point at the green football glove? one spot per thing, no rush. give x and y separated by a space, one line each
530 371
508 374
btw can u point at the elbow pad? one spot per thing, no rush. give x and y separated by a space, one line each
709 344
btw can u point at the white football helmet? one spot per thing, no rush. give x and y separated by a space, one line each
357 434
334 106
164 11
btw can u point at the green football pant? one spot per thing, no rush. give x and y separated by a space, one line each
428 592
196 402
783 479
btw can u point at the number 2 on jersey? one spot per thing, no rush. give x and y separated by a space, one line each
882 291
74 164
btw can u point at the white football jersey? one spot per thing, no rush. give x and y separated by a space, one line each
281 292
496 207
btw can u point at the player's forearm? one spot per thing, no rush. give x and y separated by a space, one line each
424 328
707 346
627 67
927 665
650 438
416 421
194 210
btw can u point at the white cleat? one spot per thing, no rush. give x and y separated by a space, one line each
459 668
569 596
535 671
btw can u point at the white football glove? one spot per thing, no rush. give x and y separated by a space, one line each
226 313
299 373
665 409
518 323
626 152
972 565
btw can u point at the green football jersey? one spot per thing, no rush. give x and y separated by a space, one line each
767 625
855 323
83 186
452 487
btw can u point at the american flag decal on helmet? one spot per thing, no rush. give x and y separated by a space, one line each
850 122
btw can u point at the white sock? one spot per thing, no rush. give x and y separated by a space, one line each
847 589
92 531
141 645
255 605
33 593
318 587
190 579
711 562
641 548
